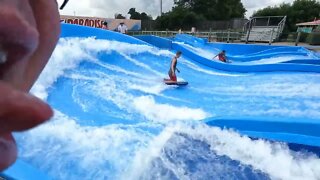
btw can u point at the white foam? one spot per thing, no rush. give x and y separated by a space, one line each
275 159
290 111
147 106
67 55
276 88
151 89
110 89
144 156
126 101
265 156
117 69
210 72
311 104
111 151
72 151
136 62
273 60
204 53
287 89
100 45
71 51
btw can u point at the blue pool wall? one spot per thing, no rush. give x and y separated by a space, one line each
285 67
296 132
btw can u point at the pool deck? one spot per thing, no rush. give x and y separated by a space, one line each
308 46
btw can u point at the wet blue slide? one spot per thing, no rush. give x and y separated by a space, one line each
116 119
243 58
251 54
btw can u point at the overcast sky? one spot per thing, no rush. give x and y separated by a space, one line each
107 8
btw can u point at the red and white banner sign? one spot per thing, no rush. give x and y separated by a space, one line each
97 22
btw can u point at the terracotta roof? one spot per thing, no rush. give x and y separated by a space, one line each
312 23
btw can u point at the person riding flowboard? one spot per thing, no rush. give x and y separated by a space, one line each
173 67
172 72
222 56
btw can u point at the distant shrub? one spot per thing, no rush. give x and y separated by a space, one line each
303 37
314 38
292 37
317 29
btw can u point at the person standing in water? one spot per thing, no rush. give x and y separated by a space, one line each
173 67
222 56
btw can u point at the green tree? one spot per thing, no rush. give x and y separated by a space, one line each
140 16
214 9
145 16
134 14
298 11
178 18
186 13
119 16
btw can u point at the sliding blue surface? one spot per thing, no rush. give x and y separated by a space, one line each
244 58
115 118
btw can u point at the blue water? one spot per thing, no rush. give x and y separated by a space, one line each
246 54
115 119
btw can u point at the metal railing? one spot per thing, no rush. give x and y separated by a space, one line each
281 26
221 36
218 36
155 33
265 22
